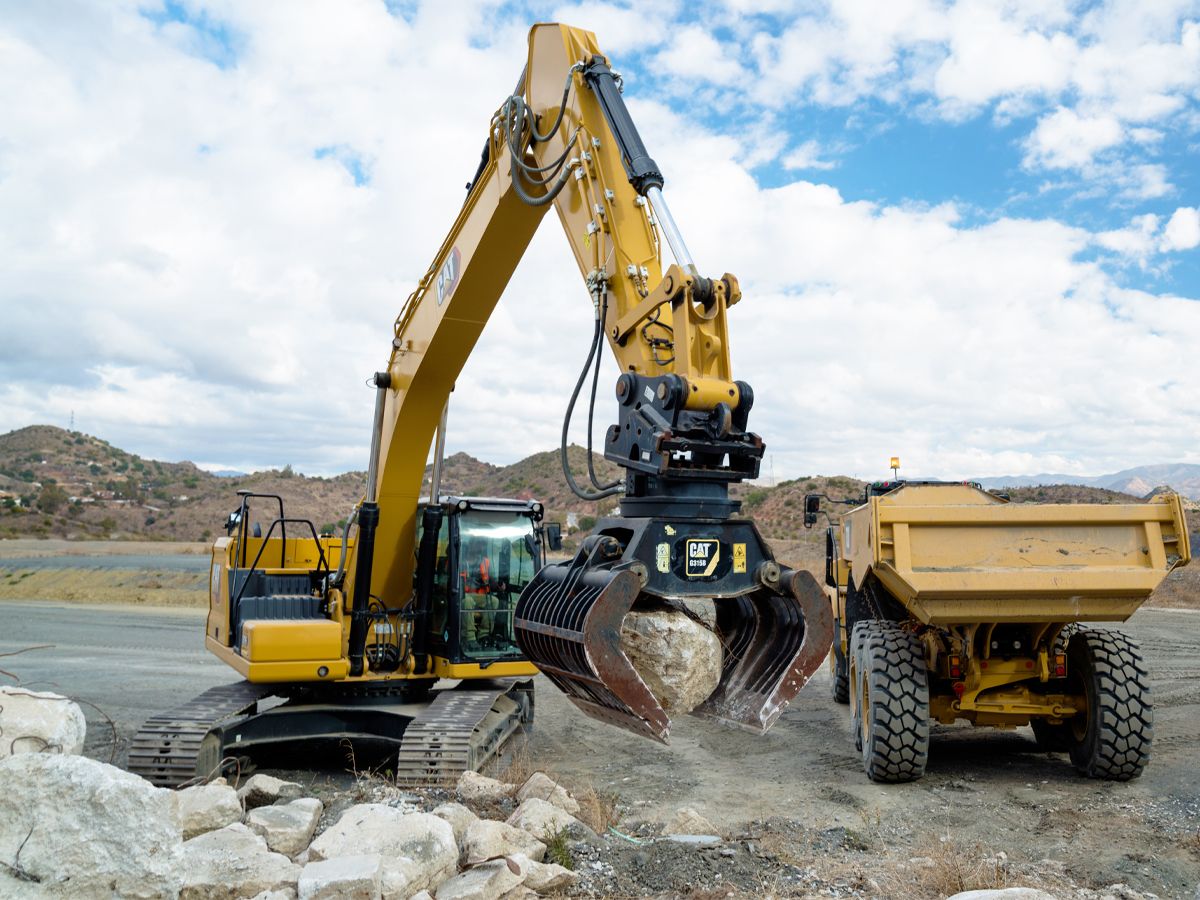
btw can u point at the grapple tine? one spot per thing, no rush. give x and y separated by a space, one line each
568 624
773 644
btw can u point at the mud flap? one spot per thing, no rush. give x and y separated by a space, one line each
773 644
568 624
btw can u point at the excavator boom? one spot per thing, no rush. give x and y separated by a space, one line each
565 140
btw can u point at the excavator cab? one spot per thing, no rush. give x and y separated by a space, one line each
474 557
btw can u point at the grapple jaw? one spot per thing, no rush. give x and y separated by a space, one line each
774 641
775 627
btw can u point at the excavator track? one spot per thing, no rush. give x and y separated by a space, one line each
461 730
170 748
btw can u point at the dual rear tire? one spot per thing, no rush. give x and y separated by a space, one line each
1110 737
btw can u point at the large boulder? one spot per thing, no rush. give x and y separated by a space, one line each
418 849
263 790
486 840
205 807
542 786
678 658
542 819
84 828
287 827
39 722
479 788
343 878
233 862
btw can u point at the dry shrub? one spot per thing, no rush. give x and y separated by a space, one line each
597 809
955 868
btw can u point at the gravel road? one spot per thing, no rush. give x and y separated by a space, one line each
986 791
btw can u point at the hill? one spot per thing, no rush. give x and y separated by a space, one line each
55 483
1139 481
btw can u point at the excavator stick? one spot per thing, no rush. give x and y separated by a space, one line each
775 633
773 644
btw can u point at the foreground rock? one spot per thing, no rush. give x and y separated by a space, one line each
83 828
540 876
678 658
479 788
287 827
488 881
543 787
263 790
418 849
687 821
39 722
460 819
342 878
1013 893
233 862
542 819
486 840
205 807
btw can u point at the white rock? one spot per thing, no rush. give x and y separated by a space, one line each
39 722
473 786
687 821
285 894
263 790
678 658
540 876
418 849
542 819
1012 893
520 892
349 877
421 895
486 840
460 819
233 862
89 825
544 787
205 807
287 827
488 881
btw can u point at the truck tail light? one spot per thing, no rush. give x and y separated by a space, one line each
1060 665
955 665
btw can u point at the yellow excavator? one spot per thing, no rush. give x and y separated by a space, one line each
351 637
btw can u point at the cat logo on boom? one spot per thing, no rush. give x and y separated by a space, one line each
448 276
702 556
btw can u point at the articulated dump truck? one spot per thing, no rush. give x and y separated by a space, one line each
953 603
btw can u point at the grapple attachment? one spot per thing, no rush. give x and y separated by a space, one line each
775 633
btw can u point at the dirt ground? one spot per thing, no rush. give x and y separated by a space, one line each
798 816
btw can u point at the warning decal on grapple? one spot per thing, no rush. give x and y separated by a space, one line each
739 557
702 556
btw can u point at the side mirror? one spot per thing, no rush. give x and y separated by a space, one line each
554 535
812 508
232 521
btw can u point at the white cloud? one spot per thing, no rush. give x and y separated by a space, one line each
807 156
186 275
1182 231
1066 140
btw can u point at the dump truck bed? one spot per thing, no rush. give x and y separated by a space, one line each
953 553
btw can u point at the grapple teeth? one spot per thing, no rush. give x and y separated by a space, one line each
773 644
568 624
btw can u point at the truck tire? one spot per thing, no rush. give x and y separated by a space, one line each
1111 739
840 682
893 703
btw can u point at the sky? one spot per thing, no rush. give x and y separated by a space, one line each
967 233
